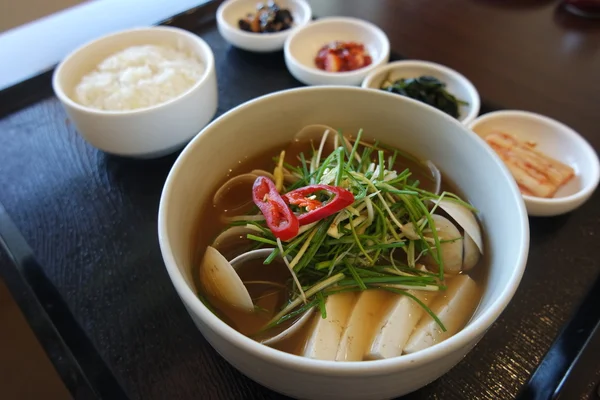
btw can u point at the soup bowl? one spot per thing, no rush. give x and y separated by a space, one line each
260 124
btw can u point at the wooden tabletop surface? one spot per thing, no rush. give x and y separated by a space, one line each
90 218
520 54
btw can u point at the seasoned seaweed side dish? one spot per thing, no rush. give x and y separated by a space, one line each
428 90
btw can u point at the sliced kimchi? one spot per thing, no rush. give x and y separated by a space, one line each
535 173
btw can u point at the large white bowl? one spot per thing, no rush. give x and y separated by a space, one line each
302 47
557 141
395 120
231 11
148 132
456 83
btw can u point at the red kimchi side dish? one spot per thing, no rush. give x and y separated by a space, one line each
342 57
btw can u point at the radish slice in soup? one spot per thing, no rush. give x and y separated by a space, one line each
368 310
324 338
220 280
453 307
392 331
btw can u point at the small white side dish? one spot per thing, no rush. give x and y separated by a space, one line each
412 126
302 47
456 83
556 140
146 132
231 11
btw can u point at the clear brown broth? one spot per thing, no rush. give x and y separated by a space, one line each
238 202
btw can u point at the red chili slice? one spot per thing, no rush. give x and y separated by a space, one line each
280 218
302 201
317 211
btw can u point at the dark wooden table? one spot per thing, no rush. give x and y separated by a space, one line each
94 285
523 54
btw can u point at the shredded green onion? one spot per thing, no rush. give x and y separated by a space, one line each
355 249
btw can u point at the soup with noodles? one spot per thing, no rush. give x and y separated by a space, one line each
338 248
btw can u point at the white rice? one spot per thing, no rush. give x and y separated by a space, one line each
139 77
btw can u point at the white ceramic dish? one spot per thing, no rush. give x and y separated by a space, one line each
231 11
557 141
398 121
148 132
456 83
302 46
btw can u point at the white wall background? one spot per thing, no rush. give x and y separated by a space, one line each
38 45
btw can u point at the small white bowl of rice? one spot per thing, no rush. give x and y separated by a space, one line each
141 93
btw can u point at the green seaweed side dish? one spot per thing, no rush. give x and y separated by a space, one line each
428 90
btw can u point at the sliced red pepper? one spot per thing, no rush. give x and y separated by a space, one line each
280 218
302 201
341 199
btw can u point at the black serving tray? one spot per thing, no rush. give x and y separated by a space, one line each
94 288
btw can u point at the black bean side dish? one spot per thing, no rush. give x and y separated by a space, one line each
269 18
